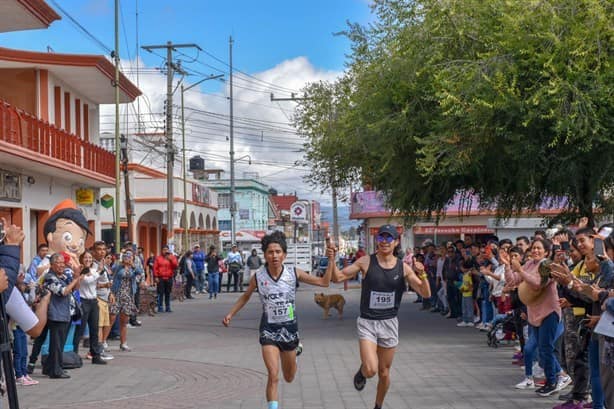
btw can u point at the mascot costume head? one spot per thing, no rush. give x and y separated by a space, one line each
66 230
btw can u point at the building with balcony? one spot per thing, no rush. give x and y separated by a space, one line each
49 113
148 194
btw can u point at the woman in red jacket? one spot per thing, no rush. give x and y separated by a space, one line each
164 270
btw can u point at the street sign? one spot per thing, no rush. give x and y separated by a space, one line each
298 212
106 201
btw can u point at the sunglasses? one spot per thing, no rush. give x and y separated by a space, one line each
385 238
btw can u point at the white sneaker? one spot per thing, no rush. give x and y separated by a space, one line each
476 319
563 382
527 383
105 346
125 348
461 324
106 357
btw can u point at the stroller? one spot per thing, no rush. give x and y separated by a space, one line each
500 328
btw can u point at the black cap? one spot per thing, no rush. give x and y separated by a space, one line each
390 229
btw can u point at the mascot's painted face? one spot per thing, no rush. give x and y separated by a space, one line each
68 236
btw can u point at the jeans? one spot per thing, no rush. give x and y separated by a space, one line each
454 299
165 286
189 282
546 335
234 277
487 311
593 364
530 347
467 309
199 281
20 352
90 314
214 283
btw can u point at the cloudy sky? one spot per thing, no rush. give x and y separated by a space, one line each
279 46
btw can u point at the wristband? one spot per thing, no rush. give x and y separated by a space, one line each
423 276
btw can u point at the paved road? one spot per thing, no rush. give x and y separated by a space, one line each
187 359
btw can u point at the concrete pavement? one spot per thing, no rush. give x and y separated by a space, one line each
187 359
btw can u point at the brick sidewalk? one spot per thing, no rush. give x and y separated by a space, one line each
187 359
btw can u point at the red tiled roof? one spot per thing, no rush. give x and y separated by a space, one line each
284 202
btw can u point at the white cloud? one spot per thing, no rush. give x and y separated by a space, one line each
261 127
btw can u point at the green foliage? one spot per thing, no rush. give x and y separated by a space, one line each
509 99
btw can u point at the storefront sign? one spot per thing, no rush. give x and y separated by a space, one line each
244 214
470 229
106 201
85 197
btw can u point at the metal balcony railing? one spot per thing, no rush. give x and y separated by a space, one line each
24 130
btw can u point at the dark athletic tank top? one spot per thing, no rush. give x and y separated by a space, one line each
382 290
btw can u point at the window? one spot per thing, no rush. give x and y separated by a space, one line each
225 224
223 201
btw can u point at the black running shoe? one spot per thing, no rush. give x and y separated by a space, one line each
299 349
359 380
547 390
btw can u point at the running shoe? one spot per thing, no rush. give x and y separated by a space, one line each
527 383
125 348
547 390
359 380
30 368
30 380
299 349
106 356
563 381
105 346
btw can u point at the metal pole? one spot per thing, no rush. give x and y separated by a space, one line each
233 210
170 149
117 135
185 183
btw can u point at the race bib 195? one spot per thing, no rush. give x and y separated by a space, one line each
381 301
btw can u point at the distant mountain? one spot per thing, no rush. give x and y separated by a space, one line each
343 212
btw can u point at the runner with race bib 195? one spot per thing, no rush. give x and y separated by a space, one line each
276 284
383 284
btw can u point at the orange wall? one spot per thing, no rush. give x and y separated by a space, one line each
18 88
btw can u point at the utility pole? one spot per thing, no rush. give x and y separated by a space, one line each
117 136
183 162
170 148
124 160
233 207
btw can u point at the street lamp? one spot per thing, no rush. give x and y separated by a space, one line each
233 208
185 183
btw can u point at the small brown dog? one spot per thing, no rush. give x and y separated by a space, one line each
330 301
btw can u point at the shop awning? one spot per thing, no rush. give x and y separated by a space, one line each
468 229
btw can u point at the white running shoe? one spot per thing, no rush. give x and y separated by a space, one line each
527 383
563 381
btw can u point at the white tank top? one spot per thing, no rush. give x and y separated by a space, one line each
277 296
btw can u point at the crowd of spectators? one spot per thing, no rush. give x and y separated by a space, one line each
546 294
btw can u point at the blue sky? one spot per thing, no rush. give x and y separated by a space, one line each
265 32
286 43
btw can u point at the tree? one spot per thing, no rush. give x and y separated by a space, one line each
511 100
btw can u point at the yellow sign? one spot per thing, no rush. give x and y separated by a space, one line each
85 197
